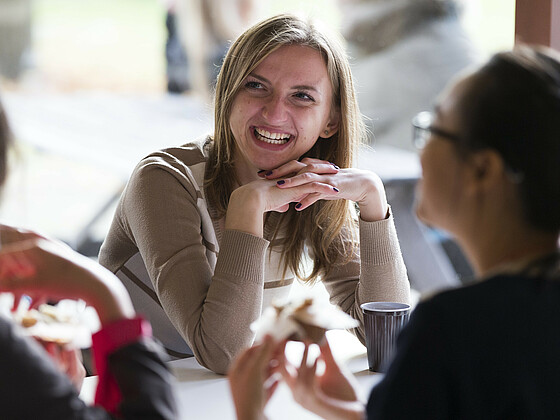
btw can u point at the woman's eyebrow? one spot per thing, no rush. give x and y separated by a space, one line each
261 78
297 87
305 87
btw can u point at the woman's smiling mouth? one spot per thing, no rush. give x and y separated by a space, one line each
271 138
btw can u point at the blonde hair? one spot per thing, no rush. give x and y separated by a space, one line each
330 226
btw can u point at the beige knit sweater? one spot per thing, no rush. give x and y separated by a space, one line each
184 270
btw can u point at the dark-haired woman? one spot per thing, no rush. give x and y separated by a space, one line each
491 177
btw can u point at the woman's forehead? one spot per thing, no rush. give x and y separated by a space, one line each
299 65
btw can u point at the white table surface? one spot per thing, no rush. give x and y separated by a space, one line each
204 395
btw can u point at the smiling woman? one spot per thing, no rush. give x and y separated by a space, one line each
207 234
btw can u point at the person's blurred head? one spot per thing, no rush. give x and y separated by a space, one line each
5 140
256 44
500 122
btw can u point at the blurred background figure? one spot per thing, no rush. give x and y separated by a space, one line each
177 66
405 52
199 33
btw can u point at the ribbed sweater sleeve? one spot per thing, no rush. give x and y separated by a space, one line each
237 256
378 273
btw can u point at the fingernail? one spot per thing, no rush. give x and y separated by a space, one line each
336 189
298 205
268 173
280 182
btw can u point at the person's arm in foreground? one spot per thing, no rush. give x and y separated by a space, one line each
68 360
137 380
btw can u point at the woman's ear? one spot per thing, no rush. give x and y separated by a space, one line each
332 125
486 170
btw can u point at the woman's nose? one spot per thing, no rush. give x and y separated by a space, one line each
274 109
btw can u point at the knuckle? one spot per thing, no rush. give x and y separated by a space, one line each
309 177
318 186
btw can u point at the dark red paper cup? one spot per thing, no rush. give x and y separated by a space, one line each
383 322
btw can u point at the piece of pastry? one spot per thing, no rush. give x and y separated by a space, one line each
50 324
301 320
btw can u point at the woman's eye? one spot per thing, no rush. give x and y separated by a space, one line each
251 84
304 96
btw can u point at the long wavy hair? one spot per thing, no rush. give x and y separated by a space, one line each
328 226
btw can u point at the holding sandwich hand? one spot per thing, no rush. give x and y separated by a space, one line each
45 269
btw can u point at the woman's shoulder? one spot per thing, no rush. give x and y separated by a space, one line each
188 154
179 161
183 166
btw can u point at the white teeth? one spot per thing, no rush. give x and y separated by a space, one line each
272 138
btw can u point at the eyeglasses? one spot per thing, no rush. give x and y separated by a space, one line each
422 129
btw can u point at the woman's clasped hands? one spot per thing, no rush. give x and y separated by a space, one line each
314 179
305 182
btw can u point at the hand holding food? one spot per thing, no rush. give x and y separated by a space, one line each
47 270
